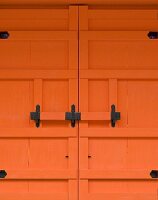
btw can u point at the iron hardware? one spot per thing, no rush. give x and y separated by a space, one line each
114 115
154 174
73 116
36 116
3 173
153 35
4 35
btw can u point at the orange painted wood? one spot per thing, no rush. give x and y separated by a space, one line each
122 14
38 74
73 189
81 2
39 65
43 35
35 14
95 116
115 174
41 174
37 133
93 59
29 196
119 133
115 35
119 74
117 65
30 74
128 196
52 116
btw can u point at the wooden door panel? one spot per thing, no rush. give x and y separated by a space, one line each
39 65
117 67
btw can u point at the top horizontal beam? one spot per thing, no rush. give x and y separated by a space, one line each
114 35
42 35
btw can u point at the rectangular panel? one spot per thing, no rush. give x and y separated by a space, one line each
118 65
39 65
35 19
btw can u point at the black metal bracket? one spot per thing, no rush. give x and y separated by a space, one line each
4 35
73 116
114 116
36 116
3 173
154 174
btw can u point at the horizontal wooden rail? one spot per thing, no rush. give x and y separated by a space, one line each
119 132
43 35
95 116
31 196
41 174
37 132
31 14
119 74
115 174
84 74
54 116
37 74
123 14
122 196
114 35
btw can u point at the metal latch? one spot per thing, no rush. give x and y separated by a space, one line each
114 116
36 116
3 173
73 116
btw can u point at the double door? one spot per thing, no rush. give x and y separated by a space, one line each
78 106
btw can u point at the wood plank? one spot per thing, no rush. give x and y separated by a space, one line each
119 74
37 74
124 196
40 174
72 189
37 98
119 132
83 153
33 14
31 196
53 116
83 188
123 14
37 132
89 116
114 35
113 92
73 153
43 35
116 174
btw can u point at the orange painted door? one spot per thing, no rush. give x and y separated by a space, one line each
118 66
38 66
